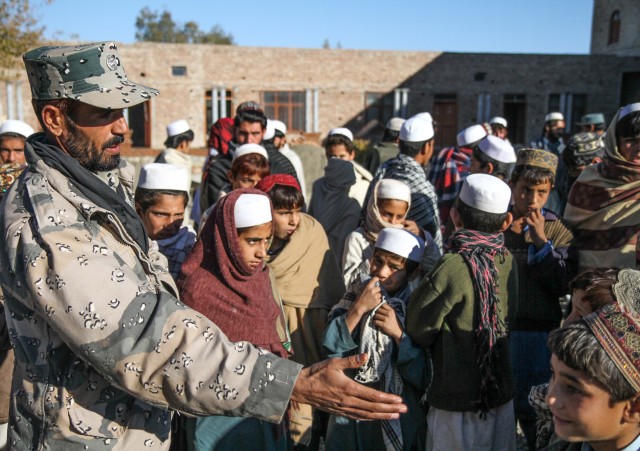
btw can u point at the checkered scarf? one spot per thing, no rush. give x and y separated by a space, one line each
479 251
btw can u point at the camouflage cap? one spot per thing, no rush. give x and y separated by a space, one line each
88 73
537 158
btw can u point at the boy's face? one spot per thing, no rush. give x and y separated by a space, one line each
163 220
528 197
392 210
244 180
390 269
579 308
340 151
254 243
285 222
583 412
477 168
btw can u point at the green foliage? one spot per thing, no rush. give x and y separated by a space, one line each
153 26
19 32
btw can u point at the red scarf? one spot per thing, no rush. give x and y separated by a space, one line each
217 283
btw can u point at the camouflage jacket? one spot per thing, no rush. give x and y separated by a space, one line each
103 346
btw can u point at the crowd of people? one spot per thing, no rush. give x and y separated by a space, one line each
411 300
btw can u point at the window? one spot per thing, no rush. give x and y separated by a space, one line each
614 28
224 105
179 71
378 106
286 106
572 106
514 109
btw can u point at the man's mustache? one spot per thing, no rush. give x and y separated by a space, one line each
116 140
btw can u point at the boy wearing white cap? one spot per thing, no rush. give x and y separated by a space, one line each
499 127
385 149
13 136
493 156
416 148
179 137
452 167
461 313
370 318
161 198
551 138
339 144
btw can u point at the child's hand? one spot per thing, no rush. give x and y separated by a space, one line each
535 221
386 320
366 301
370 297
412 226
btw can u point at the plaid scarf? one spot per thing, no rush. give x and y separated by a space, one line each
479 250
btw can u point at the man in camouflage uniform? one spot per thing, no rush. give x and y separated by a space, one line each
103 346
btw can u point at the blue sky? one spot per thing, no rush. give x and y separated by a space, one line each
498 26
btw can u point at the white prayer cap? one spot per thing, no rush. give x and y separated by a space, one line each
163 176
17 127
280 126
341 131
250 148
471 135
401 242
498 149
177 127
486 193
252 210
498 120
270 131
417 129
393 189
395 124
426 116
554 116
628 109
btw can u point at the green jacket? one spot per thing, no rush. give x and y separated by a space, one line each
442 317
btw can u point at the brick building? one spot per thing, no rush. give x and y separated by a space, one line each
313 90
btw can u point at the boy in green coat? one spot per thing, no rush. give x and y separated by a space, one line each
460 313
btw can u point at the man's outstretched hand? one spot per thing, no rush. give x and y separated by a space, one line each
325 386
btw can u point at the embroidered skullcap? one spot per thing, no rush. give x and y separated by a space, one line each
400 242
252 210
417 129
554 116
486 193
250 106
628 109
17 127
627 290
537 158
581 150
498 149
177 127
591 119
162 176
393 189
8 174
250 148
499 121
395 124
342 132
618 332
471 135
267 183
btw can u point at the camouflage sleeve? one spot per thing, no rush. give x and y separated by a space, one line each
97 298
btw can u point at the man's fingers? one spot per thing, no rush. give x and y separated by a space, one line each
354 361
